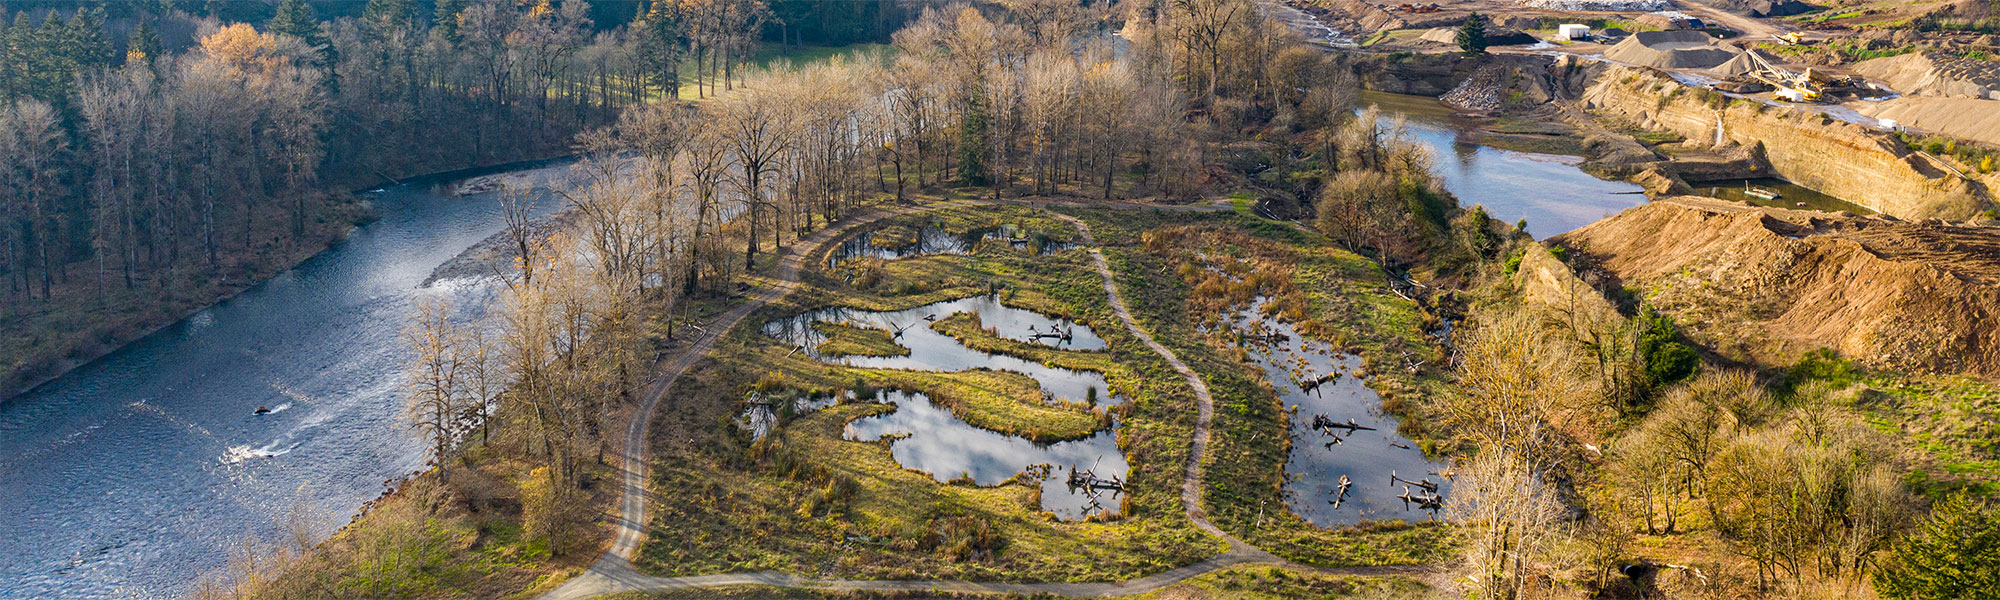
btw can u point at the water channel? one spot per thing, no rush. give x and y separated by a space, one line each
931 439
1548 190
136 473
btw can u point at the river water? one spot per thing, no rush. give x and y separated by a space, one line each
134 474
1548 190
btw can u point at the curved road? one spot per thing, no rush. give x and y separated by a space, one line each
614 573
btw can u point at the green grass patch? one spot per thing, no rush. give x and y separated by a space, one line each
845 339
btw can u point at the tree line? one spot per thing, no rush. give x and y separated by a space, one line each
155 173
676 198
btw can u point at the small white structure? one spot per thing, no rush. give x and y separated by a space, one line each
1573 31
1889 124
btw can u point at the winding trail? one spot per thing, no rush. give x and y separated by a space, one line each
614 573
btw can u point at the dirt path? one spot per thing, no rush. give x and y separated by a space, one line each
614 572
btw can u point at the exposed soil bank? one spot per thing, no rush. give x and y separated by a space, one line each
1767 285
1844 160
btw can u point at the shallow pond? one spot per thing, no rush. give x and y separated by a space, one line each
1548 190
933 240
1790 195
933 351
931 439
1368 457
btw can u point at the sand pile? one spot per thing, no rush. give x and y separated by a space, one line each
1767 285
1683 49
1600 5
1930 74
1743 64
1969 118
1764 8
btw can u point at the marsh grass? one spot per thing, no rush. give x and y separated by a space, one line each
1181 270
728 504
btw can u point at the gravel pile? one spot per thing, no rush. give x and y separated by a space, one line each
1681 49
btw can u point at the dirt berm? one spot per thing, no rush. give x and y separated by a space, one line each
1767 285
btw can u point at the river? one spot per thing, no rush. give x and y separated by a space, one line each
136 473
1548 190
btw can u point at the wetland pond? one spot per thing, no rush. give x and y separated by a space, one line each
933 240
1354 438
929 438
1548 190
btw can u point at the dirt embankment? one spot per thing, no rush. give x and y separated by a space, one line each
1767 285
1934 74
1848 161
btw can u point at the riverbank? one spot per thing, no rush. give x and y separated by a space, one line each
48 341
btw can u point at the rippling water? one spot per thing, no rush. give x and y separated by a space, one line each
133 475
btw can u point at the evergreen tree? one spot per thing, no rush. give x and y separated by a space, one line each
661 43
1954 554
1472 35
144 45
295 18
973 142
445 21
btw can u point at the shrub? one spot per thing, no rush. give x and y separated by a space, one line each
1823 365
1668 360
1953 554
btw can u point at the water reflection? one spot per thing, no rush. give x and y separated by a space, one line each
933 240
931 439
134 474
933 351
1338 429
1548 190
1078 478
1790 195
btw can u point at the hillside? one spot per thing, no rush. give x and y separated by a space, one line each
1767 285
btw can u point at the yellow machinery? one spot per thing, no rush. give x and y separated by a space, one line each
1796 38
1796 87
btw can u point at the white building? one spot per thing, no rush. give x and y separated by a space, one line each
1572 31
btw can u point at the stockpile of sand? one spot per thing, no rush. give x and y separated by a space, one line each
1743 64
1767 285
1930 74
1969 118
1600 5
1683 49
1763 8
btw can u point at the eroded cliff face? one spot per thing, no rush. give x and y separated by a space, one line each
1767 285
1855 163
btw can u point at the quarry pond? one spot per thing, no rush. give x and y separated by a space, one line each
930 438
1547 190
134 474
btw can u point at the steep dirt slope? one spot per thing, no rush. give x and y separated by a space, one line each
1767 285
